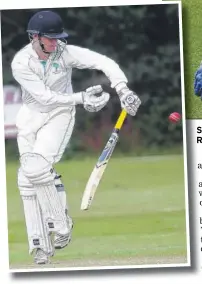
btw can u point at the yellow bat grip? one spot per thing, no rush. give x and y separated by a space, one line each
121 119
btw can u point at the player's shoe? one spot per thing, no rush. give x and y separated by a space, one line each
41 257
61 241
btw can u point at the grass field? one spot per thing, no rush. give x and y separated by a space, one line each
137 217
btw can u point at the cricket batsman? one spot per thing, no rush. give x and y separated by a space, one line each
45 123
198 82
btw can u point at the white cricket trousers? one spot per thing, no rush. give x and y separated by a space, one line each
46 134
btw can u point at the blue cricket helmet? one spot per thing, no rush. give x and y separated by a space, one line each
48 24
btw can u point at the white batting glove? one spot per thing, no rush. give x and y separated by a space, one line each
129 99
93 103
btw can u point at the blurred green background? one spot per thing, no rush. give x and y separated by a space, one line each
144 41
192 54
191 17
138 216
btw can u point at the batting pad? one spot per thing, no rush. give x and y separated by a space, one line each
37 233
61 191
41 174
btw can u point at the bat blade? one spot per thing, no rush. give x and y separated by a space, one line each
91 187
98 172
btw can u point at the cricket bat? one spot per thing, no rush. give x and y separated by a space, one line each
101 164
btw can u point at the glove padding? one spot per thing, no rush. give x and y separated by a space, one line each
198 83
129 101
93 103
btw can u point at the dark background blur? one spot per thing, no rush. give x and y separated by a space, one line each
144 41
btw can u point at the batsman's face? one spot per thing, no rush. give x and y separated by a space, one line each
50 44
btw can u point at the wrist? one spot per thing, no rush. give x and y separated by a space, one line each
120 86
78 98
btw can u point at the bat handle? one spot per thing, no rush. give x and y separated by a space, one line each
120 120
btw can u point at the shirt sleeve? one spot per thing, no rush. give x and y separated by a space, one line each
83 58
36 87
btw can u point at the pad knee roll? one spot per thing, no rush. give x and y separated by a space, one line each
41 174
25 187
36 168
